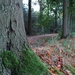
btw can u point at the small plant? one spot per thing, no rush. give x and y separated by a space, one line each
66 43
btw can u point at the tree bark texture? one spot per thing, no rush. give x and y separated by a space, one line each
12 30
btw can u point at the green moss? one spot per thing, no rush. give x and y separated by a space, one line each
29 63
71 69
9 59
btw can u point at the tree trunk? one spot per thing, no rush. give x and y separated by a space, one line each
29 18
70 15
41 15
55 12
12 32
65 25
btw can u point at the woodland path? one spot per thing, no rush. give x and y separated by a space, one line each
36 37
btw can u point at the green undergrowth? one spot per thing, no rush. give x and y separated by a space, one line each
71 69
58 72
29 63
32 64
65 43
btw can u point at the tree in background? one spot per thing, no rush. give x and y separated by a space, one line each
25 15
29 18
41 15
71 16
65 15
50 16
50 19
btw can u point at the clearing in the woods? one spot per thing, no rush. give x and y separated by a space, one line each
57 54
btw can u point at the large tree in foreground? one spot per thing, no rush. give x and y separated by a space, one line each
12 32
16 58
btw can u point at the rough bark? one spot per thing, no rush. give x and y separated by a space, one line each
12 31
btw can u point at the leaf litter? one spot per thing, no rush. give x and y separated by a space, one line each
55 54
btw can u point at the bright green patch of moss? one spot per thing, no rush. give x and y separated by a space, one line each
9 59
29 63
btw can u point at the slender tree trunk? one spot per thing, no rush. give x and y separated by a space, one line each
12 31
41 15
42 28
65 25
70 21
70 14
56 19
29 18
48 7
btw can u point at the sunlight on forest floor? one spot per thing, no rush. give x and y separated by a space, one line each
55 53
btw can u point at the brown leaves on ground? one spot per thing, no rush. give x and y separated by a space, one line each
53 55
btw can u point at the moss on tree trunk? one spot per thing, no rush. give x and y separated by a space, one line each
15 60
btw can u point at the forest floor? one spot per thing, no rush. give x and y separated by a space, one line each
57 54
